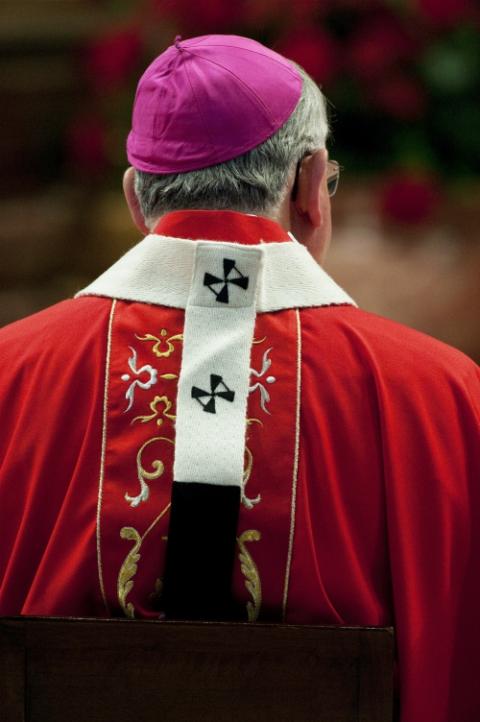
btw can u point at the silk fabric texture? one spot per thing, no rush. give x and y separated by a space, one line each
362 501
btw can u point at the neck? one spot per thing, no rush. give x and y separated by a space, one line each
280 216
220 225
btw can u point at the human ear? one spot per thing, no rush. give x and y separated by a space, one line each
310 187
132 200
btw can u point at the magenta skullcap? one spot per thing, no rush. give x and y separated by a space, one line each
209 99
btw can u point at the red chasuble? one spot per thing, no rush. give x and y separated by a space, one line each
359 496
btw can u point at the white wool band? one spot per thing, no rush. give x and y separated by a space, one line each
214 379
159 269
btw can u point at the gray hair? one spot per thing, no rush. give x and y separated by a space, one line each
255 182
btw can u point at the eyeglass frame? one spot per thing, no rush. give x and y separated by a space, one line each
333 173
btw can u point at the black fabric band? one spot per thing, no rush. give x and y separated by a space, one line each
201 552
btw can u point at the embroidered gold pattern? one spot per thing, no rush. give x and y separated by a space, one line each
130 565
159 342
250 572
158 468
149 465
155 411
128 570
249 503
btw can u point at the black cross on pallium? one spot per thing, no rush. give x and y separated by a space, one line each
231 274
216 383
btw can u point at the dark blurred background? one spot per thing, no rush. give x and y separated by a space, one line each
403 81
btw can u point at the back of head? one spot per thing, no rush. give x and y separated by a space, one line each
218 123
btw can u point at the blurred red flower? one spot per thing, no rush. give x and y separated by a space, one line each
314 50
400 96
409 197
378 44
111 58
444 13
86 145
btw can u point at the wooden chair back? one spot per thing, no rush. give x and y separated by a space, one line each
87 670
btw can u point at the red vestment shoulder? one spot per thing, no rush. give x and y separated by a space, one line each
391 459
52 368
361 500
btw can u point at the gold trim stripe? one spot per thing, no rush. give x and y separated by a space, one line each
155 521
103 453
295 464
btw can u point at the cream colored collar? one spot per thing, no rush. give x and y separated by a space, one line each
159 271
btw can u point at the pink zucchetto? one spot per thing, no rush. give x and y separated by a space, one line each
207 100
